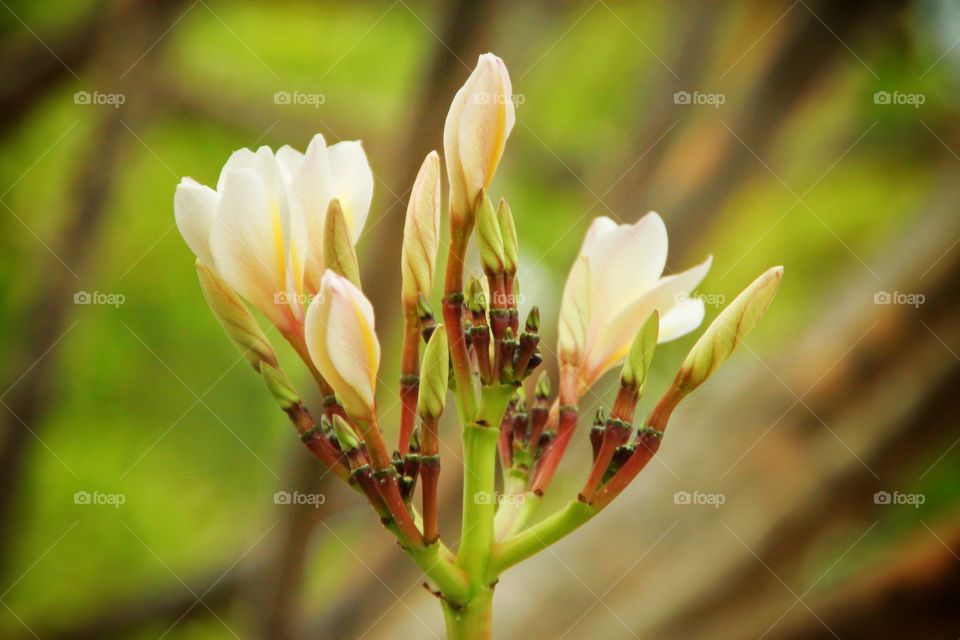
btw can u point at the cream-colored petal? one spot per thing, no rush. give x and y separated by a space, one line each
290 161
683 318
486 120
343 343
608 343
247 243
194 208
313 187
352 183
600 227
575 313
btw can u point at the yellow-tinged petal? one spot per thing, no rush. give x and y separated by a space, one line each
342 342
421 232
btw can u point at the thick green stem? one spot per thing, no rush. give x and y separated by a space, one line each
472 621
538 537
479 483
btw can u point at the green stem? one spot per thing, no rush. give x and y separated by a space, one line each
472 621
538 537
479 482
513 514
433 561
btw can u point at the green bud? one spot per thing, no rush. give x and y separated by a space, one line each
434 373
339 254
728 330
532 325
489 239
542 390
476 298
279 387
345 434
508 231
637 363
235 318
600 418
424 311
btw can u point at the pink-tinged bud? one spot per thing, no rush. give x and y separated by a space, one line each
727 331
475 133
342 342
613 287
421 232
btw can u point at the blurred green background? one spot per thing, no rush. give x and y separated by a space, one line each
833 151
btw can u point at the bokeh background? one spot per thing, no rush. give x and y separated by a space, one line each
820 135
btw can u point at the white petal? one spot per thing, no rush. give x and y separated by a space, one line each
683 318
352 183
485 122
575 313
608 344
600 227
247 242
290 161
194 208
313 189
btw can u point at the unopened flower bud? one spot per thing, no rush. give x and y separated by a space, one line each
421 231
345 434
475 297
637 362
508 231
279 386
728 330
340 336
434 372
532 325
489 238
339 254
480 119
542 390
235 318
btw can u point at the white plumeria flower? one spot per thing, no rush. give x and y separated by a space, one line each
261 229
614 286
342 343
421 233
475 133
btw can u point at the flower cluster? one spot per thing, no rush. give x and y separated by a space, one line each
279 233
